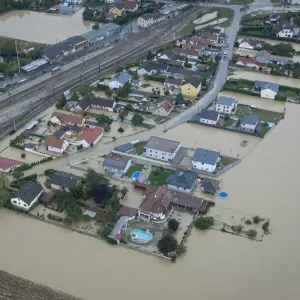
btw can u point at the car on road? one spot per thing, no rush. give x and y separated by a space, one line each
225 53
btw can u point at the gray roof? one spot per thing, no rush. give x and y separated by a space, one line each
262 85
182 178
116 161
64 179
209 185
249 119
228 101
161 144
28 192
118 227
153 66
122 77
30 146
209 115
206 156
124 147
194 81
104 29
253 42
135 82
173 81
58 133
89 100
192 202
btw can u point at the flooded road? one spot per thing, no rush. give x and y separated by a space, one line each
42 27
218 266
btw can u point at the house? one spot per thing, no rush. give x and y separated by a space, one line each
284 30
274 18
264 56
267 89
119 80
117 8
131 5
171 55
226 105
136 83
117 163
30 147
124 148
209 186
27 196
64 181
250 62
156 204
56 145
89 137
191 86
209 117
205 160
172 83
210 52
251 44
59 118
248 123
189 53
163 109
8 165
162 149
59 134
148 20
91 101
182 181
189 202
150 68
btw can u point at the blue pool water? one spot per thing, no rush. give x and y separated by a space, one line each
141 236
223 195
136 175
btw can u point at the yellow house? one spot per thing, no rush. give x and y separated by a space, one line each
191 86
118 9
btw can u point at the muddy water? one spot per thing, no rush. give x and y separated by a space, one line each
242 74
42 27
217 265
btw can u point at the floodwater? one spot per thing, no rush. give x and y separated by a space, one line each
42 27
217 266
252 75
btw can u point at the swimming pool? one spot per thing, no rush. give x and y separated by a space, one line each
140 236
136 175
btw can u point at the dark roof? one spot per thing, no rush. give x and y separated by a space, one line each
66 45
116 161
282 26
206 156
74 128
119 5
249 119
209 115
209 185
124 147
183 179
64 179
28 192
30 146
89 100
222 100
190 201
161 144
173 81
266 85
127 211
46 197
194 81
150 66
59 133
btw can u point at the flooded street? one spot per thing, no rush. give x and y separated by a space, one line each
52 28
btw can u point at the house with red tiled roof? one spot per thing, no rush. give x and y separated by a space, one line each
131 5
55 144
163 109
59 118
249 62
7 164
89 137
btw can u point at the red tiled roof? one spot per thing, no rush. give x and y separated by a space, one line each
6 163
53 141
249 60
68 119
211 37
89 134
166 105
130 5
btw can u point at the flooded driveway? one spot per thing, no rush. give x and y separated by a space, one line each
42 27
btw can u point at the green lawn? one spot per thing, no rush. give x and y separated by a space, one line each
240 2
264 130
186 30
225 161
228 122
159 176
133 169
139 148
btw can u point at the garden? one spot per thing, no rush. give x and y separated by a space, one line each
158 176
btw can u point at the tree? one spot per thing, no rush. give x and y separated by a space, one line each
121 130
77 191
61 102
92 178
179 99
124 191
217 58
173 224
123 114
204 223
17 175
84 89
23 155
103 119
74 96
96 26
251 233
149 55
100 193
256 219
265 226
137 119
129 107
167 244
125 90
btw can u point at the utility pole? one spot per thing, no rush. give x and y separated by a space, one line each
17 57
99 67
15 127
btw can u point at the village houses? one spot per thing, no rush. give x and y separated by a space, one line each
206 160
226 105
116 163
55 144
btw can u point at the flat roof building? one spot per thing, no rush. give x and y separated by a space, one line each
105 31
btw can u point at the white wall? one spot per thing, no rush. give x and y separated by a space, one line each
285 33
104 107
224 108
161 112
245 45
267 93
179 189
144 23
64 147
204 167
210 122
115 85
17 202
153 153
248 127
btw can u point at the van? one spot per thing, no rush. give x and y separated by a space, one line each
225 53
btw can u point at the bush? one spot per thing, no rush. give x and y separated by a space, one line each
111 241
251 233
238 229
79 147
49 172
23 168
23 155
105 232
155 78
248 222
265 226
121 130
204 223
167 244
173 224
256 219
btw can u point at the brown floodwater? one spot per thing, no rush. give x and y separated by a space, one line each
42 27
217 266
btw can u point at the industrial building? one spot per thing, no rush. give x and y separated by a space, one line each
35 66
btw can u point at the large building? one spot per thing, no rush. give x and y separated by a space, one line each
105 31
148 20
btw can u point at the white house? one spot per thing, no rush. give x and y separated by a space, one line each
251 44
205 160
91 101
56 145
267 89
150 68
117 163
110 1
89 137
162 149
7 164
163 109
209 117
249 123
119 80
27 196
182 181
226 105
148 20
284 30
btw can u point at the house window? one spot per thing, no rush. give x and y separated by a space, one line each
15 202
162 158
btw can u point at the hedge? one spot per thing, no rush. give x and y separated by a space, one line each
19 183
280 98
102 87
29 166
23 168
288 88
155 78
232 88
